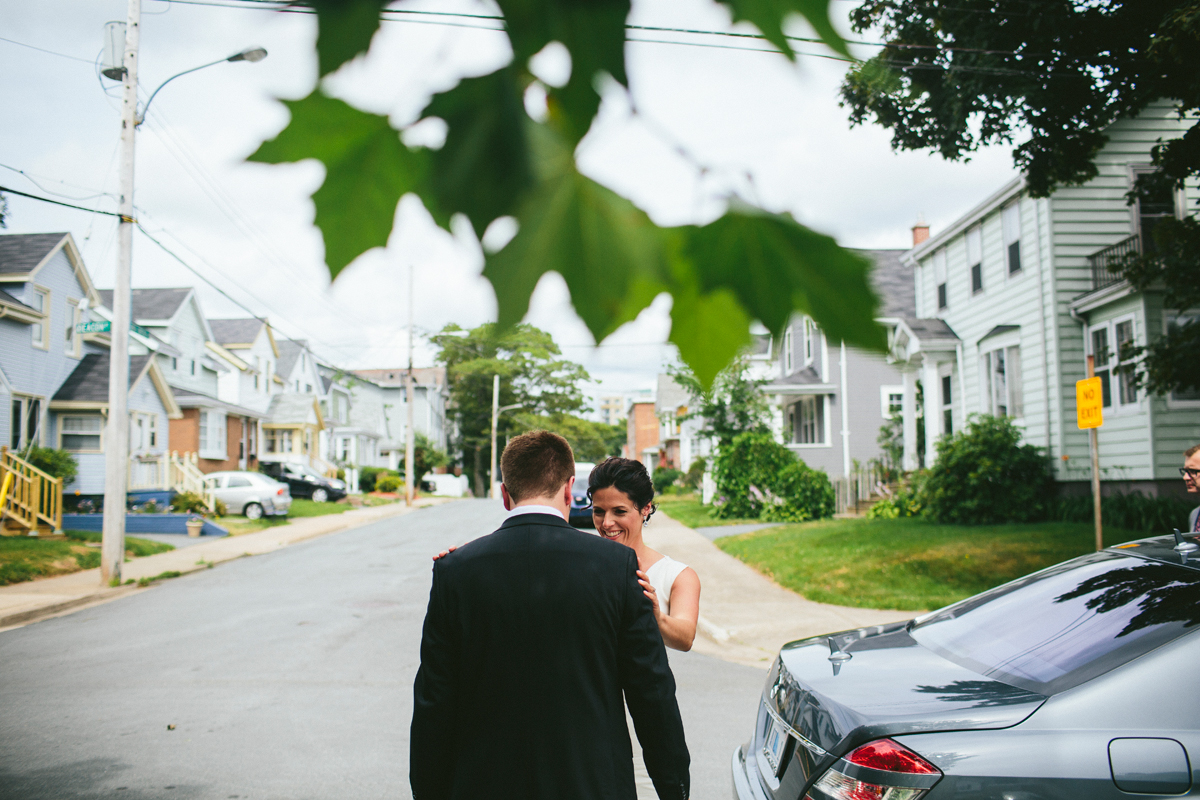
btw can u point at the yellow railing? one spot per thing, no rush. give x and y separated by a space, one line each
35 497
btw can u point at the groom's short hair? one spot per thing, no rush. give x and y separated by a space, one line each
536 464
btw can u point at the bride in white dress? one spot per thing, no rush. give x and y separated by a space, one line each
622 502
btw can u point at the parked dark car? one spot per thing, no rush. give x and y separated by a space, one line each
581 507
304 481
1078 681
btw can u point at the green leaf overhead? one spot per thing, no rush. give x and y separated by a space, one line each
709 329
769 15
367 170
345 29
607 250
484 167
776 266
593 32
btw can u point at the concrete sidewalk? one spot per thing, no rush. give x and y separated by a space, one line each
22 603
746 617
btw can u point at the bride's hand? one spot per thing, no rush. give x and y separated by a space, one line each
648 590
445 552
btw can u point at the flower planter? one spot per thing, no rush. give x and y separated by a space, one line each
194 527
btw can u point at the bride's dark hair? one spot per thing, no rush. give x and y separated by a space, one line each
627 476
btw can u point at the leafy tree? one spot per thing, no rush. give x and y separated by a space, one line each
695 474
531 372
664 478
954 77
497 161
745 470
590 440
732 405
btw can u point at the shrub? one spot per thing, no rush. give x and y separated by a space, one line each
189 503
388 483
904 503
799 493
664 477
1133 511
58 463
368 475
984 476
695 474
743 469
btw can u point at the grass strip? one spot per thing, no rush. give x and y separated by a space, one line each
907 564
24 558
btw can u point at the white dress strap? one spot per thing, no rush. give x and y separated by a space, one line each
662 575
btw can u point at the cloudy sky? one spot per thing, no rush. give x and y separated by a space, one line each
760 126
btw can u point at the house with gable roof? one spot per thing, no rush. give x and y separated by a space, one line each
220 434
1015 295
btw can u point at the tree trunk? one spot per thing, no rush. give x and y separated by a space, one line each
478 476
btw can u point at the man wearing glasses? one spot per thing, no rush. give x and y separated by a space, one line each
1191 479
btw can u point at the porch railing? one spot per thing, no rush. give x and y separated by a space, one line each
35 497
326 468
862 485
169 470
1105 263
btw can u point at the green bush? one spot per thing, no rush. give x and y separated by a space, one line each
58 463
1133 511
189 503
984 476
903 503
664 477
695 474
800 493
368 475
388 483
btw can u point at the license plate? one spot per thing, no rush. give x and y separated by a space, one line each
775 745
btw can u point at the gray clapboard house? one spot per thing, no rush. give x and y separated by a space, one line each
1014 295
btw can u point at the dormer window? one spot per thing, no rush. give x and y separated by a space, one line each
789 354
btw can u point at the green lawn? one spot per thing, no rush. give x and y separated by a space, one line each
688 509
907 564
23 558
238 525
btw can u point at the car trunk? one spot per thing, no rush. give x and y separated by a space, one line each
879 682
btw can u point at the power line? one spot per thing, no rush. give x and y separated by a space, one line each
51 52
67 205
29 177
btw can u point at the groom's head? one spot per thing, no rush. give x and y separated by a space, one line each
537 465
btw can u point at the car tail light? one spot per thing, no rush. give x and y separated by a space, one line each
282 491
879 770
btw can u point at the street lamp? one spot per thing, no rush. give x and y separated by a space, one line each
116 446
251 54
496 409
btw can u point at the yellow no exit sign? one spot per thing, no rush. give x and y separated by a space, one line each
1089 403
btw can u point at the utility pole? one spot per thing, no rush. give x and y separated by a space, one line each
495 420
1094 438
116 444
410 491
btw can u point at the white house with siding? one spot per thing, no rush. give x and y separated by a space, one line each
1015 294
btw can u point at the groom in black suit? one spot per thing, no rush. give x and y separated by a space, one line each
535 638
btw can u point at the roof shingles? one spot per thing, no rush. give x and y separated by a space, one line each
21 252
88 383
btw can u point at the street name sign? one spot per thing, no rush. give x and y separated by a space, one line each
104 326
1089 403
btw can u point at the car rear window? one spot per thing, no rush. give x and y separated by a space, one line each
1068 624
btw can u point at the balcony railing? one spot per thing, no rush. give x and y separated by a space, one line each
1105 263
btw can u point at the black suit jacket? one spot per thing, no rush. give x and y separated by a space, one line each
533 634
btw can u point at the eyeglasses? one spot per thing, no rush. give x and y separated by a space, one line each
1188 472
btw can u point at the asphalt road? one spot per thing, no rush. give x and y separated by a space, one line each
287 676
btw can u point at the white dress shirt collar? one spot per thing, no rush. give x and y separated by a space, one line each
534 509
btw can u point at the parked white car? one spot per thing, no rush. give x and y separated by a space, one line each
251 494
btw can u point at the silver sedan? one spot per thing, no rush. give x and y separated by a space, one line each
250 493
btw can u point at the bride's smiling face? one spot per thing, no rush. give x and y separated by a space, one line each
616 516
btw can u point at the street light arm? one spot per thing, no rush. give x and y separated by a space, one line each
510 408
252 54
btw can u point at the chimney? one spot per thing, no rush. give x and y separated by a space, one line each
920 232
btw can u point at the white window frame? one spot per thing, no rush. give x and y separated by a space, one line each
275 438
810 334
213 426
974 242
1010 226
73 344
22 424
41 329
885 405
789 354
1168 319
1114 366
940 280
1177 195
944 374
820 425
62 418
1014 401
